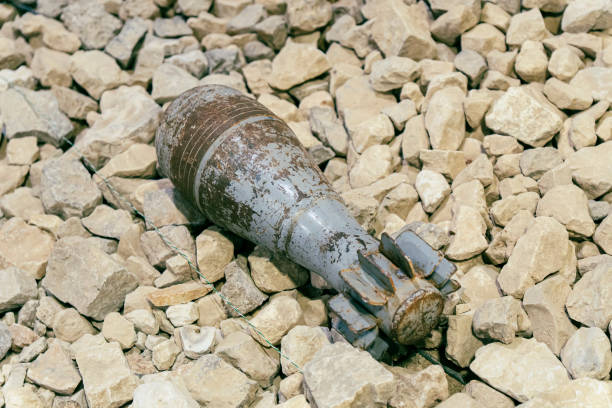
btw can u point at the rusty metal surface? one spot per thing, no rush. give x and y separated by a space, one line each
246 171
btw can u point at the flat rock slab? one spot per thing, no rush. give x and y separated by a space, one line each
340 375
83 275
107 378
521 369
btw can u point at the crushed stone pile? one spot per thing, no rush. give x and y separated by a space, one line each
483 126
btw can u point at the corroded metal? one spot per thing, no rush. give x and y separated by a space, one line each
246 171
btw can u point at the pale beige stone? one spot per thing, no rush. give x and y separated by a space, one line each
524 113
68 325
583 393
214 253
531 62
590 302
500 319
25 247
587 354
445 120
568 204
461 344
118 328
51 67
399 30
275 319
374 164
107 379
545 305
55 371
564 63
85 66
339 375
483 39
528 25
566 96
273 273
469 229
487 396
530 368
537 254
306 62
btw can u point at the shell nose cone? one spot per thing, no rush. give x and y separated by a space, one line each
174 121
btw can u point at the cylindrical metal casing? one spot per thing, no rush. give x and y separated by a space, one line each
246 171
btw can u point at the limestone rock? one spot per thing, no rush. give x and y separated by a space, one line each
51 67
545 306
122 46
161 394
373 165
603 235
24 246
240 289
169 81
214 253
69 326
583 16
213 382
530 368
33 113
107 379
5 340
176 294
566 96
590 302
531 62
22 151
300 344
479 284
73 103
244 353
296 63
526 115
454 22
84 276
595 80
398 29
592 170
182 314
432 188
118 328
469 229
568 204
94 26
564 63
67 189
487 396
500 319
276 318
445 120
129 116
164 354
339 375
392 72
583 392
537 254
272 273
418 389
484 38
106 222
461 344
85 68
528 25
18 287
587 354
55 371
305 16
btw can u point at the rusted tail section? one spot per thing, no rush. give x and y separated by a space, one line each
245 169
